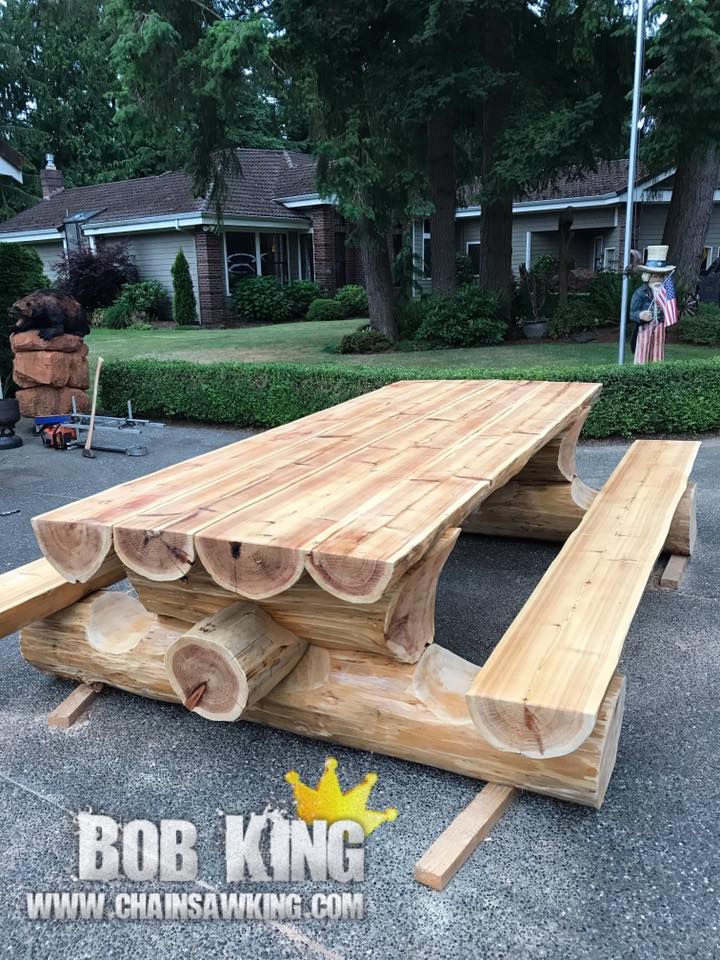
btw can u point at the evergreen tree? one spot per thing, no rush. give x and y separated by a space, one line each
684 123
21 272
184 307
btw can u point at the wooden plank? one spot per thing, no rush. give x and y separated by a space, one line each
74 706
439 864
674 572
37 590
77 536
540 690
356 527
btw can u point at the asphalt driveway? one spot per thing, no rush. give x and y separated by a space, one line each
640 878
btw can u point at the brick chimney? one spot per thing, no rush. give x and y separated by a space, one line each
52 180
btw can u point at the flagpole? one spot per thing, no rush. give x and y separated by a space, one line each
632 175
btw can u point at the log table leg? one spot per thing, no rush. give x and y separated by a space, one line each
415 712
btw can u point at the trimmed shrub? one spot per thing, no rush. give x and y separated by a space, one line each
571 317
325 309
21 272
365 340
410 315
300 294
679 396
354 300
466 318
703 328
184 306
95 278
138 303
463 270
260 300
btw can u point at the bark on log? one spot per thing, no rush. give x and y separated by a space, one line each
400 625
230 660
552 511
362 700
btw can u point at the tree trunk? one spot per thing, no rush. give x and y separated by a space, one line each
496 246
688 219
378 279
496 222
565 222
441 171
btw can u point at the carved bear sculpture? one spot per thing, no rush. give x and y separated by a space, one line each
51 312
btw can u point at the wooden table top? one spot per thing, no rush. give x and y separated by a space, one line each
354 494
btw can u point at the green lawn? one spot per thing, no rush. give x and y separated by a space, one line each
314 343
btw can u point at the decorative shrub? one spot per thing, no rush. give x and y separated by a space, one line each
138 303
95 278
463 270
325 309
184 306
466 318
671 397
260 300
605 295
571 317
300 294
354 300
703 328
410 315
365 340
21 272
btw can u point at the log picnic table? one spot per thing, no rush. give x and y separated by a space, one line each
289 579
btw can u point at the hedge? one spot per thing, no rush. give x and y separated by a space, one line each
673 397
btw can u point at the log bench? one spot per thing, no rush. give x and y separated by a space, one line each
290 579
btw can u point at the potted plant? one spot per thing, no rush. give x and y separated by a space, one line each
535 285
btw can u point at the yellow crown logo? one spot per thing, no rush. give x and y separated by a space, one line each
328 802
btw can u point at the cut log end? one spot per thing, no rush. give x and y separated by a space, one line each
76 550
353 579
231 659
207 678
534 731
155 554
252 571
118 622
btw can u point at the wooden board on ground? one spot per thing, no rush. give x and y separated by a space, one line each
37 590
74 706
540 690
354 495
439 864
674 572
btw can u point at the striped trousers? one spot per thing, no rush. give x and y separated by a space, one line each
650 346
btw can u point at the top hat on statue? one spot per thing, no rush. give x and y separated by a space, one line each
655 262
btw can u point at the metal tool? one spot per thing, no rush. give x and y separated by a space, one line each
87 449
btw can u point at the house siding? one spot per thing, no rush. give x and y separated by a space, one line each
155 253
49 253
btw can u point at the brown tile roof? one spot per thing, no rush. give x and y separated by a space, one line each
262 176
609 177
12 156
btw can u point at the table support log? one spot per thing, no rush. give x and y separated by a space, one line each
551 511
360 699
230 660
400 625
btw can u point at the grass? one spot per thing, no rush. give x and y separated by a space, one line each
315 343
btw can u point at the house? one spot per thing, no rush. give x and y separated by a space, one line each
275 223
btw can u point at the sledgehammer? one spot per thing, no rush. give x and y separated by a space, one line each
87 451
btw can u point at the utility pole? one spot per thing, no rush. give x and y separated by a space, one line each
632 173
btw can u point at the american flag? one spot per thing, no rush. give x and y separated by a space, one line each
667 300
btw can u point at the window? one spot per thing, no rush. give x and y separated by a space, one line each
241 255
274 256
597 260
707 258
610 258
473 251
427 251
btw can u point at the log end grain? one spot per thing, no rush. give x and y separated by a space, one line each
76 550
155 554
353 579
250 570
